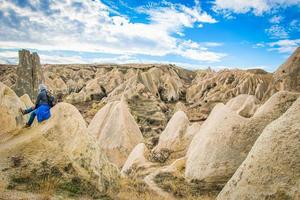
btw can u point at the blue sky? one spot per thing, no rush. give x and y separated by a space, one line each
192 33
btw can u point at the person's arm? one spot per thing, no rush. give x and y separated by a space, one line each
38 100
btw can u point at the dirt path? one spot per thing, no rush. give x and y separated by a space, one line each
149 180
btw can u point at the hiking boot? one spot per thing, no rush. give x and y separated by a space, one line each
22 111
26 126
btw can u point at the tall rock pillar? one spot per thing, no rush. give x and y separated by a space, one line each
29 74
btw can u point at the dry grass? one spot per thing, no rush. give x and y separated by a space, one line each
181 189
135 189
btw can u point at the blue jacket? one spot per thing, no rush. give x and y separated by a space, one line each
41 99
42 106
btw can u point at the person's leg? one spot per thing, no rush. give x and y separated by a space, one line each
29 110
26 111
31 118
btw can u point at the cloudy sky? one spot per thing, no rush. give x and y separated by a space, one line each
189 33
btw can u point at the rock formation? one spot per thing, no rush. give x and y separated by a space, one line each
244 104
57 148
26 100
10 117
205 154
180 106
29 74
162 83
176 137
287 76
209 86
225 139
272 167
117 132
171 137
136 160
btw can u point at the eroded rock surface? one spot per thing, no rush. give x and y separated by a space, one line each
57 148
206 157
136 160
29 74
117 132
287 76
10 115
272 167
244 105
225 139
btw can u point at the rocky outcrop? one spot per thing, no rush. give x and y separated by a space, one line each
117 132
26 100
29 74
136 160
180 106
209 86
11 118
225 139
176 137
244 105
162 83
272 167
287 76
171 137
205 154
57 148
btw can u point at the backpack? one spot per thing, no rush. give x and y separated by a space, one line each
50 98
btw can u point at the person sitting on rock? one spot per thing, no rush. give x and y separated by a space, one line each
42 106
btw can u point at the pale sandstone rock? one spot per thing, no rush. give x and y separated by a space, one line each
272 167
209 88
11 118
61 142
180 106
221 86
163 84
26 100
244 104
287 76
205 154
136 159
171 137
116 130
191 131
57 85
225 139
76 97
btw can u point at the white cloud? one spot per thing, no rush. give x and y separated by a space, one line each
258 7
259 45
277 31
8 57
284 46
276 19
53 59
295 25
89 26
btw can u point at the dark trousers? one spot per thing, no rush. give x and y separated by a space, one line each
32 115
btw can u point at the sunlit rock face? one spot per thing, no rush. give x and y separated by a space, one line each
287 76
10 116
225 139
244 104
271 169
117 132
60 147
